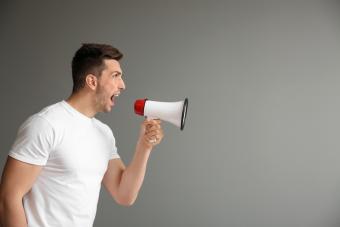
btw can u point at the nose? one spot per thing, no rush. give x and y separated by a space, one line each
122 84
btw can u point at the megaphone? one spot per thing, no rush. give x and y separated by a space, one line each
173 112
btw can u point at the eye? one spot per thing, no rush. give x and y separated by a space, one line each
116 75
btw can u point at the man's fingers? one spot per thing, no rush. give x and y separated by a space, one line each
154 133
153 127
152 122
155 121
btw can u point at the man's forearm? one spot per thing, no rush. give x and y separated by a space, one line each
12 213
133 176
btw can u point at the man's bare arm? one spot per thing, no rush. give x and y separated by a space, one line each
17 179
124 183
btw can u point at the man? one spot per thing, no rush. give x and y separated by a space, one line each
63 154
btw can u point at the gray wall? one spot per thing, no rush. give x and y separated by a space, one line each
261 145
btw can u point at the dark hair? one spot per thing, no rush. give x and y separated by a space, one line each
89 59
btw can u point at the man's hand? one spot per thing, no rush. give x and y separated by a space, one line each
151 133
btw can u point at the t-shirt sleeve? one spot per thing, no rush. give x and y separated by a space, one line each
34 141
114 151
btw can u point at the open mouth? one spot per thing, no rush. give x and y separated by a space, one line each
113 97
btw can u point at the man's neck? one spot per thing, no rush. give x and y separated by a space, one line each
83 103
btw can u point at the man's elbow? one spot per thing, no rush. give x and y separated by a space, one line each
126 200
9 200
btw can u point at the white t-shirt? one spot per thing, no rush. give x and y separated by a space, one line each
74 151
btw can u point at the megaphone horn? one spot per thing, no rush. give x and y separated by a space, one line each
173 112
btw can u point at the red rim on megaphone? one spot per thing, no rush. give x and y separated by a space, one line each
139 106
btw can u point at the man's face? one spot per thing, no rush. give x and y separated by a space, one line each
110 84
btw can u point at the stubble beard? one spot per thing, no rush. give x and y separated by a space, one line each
101 101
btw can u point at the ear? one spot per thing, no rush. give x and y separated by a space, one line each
91 81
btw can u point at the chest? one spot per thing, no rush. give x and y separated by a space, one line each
82 153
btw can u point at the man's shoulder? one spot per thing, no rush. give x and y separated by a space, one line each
53 114
39 121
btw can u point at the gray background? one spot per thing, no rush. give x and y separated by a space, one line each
261 145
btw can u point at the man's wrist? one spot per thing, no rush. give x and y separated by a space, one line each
143 146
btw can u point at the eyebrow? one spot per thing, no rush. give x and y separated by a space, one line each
119 73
